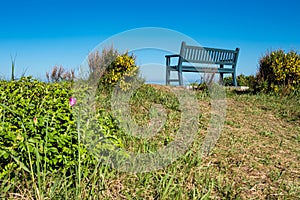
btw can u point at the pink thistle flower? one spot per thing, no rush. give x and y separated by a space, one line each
72 101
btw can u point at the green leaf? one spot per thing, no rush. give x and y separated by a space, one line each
22 165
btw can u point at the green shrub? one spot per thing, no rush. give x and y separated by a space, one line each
37 127
242 80
279 72
36 114
227 81
200 87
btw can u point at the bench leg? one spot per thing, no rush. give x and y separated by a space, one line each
221 81
234 79
180 79
167 76
221 76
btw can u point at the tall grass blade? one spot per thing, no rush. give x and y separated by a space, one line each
13 62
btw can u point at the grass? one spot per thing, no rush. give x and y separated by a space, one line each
256 157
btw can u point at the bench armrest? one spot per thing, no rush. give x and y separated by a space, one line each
168 59
170 56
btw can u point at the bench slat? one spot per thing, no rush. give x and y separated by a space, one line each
204 56
207 70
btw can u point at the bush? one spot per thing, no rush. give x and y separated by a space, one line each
37 128
99 62
110 68
242 80
279 72
36 114
120 71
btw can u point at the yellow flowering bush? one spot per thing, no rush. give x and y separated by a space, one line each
120 71
281 71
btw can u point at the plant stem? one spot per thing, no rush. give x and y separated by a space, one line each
79 172
13 61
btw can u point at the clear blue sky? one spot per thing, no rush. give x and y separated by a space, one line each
43 33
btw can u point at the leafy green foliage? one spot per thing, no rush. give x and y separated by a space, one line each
36 116
242 80
200 87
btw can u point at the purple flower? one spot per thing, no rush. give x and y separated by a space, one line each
72 101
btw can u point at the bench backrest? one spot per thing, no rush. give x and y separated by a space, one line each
205 55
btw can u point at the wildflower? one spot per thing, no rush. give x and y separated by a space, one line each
35 120
72 101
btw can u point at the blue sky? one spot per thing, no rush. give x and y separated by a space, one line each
42 34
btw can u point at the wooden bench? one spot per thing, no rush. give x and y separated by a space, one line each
202 60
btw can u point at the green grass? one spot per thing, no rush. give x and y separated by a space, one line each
256 157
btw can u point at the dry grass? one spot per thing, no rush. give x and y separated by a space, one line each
258 152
